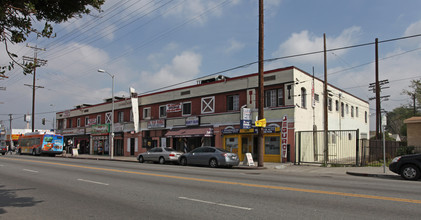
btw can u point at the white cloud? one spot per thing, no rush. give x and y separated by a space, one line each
184 66
234 46
305 42
413 29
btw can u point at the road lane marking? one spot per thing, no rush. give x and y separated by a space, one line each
385 198
32 171
90 181
215 203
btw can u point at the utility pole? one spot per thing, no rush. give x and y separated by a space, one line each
261 85
378 106
10 136
325 115
36 62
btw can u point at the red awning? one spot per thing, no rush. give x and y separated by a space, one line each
192 132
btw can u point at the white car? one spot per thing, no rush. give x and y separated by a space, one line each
159 154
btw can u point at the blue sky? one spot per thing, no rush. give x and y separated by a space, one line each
152 44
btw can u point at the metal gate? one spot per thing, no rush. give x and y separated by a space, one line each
342 147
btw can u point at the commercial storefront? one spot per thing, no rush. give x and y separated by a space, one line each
242 141
100 138
187 139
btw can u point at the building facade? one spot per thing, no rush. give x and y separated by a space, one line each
219 112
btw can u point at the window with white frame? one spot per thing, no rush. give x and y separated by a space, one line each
186 108
147 113
270 98
281 97
108 118
78 122
86 121
208 105
233 103
163 111
121 116
303 98
98 119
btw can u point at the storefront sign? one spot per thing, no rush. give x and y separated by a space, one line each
246 114
248 160
174 107
284 136
245 124
251 130
231 131
100 129
160 123
118 127
209 133
192 121
73 131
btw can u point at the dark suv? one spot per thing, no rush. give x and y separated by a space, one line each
408 166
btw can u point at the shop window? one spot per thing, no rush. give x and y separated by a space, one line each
303 98
272 145
162 111
233 103
231 144
98 119
187 108
121 116
147 113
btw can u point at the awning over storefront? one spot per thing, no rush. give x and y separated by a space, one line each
191 132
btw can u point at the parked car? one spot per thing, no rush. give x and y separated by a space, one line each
210 156
408 166
3 147
159 154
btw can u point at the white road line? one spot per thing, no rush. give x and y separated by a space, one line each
214 203
90 181
32 171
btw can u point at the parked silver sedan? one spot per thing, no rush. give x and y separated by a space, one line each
210 156
159 154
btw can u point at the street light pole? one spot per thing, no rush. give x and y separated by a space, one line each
112 114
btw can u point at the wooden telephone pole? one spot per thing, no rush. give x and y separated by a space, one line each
37 62
260 144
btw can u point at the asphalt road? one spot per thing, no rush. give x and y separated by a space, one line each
63 188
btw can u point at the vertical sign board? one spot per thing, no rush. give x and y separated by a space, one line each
135 109
246 118
284 136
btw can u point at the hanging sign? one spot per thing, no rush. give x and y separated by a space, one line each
284 136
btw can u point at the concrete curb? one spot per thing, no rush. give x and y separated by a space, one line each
373 175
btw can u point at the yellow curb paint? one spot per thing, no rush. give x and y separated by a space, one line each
234 183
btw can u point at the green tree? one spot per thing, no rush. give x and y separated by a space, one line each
395 120
17 18
415 94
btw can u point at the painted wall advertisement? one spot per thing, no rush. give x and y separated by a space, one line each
174 107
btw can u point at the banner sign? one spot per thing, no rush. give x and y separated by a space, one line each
284 136
245 124
160 123
135 109
100 129
91 121
174 107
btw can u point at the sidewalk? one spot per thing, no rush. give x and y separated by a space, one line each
277 167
